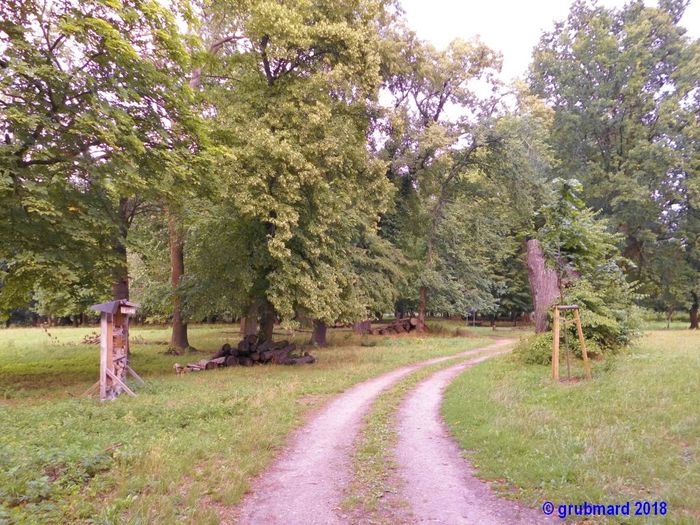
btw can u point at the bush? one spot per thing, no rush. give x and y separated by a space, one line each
537 350
608 315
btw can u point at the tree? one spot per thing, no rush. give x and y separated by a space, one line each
294 175
93 108
588 265
623 84
430 148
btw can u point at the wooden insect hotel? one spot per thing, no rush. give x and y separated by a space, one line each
114 349
559 317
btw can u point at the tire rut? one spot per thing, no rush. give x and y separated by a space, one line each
437 482
305 484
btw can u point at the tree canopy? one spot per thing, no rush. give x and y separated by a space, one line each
318 162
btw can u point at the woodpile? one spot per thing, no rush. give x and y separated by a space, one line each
400 326
249 352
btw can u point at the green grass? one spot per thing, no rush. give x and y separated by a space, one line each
633 433
181 451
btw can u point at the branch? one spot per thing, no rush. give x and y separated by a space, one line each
218 44
266 62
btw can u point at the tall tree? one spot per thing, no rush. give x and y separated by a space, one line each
623 84
290 100
92 106
432 139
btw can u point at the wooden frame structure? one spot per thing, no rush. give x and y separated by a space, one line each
555 340
114 349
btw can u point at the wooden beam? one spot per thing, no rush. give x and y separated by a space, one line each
120 383
555 346
92 389
135 375
584 351
103 356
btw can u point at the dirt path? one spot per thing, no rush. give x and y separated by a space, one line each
305 485
437 481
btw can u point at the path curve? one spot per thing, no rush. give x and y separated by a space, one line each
437 482
304 486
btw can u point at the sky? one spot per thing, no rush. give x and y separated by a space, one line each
512 27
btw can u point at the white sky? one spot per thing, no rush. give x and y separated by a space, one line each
512 27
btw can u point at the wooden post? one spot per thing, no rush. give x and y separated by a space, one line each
584 351
104 350
555 346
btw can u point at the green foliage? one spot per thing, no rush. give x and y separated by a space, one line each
95 111
589 266
537 349
623 86
301 194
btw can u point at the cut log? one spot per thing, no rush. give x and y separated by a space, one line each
247 353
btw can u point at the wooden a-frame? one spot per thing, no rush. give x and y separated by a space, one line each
555 341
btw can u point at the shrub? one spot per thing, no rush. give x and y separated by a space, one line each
537 350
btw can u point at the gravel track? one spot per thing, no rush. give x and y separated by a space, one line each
437 482
305 485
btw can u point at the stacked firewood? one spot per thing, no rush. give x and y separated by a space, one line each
400 326
249 352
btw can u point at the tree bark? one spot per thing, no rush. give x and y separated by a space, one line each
120 272
362 327
178 338
318 336
249 323
694 311
422 305
267 322
544 284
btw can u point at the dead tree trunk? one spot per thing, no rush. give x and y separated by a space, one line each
544 284
178 340
694 311
318 337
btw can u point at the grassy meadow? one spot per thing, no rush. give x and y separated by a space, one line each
633 433
185 449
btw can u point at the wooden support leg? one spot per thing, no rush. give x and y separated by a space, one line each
92 389
135 375
584 351
555 346
120 382
104 351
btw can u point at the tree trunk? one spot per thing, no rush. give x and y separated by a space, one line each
422 305
362 327
249 323
669 317
694 311
319 334
120 272
267 322
543 284
178 339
